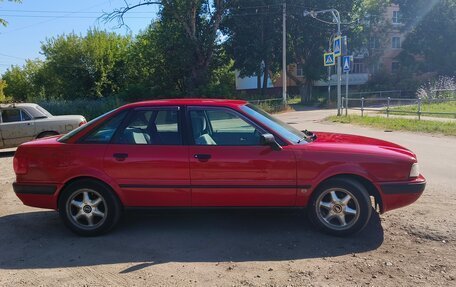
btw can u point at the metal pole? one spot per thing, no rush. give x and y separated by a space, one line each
419 108
388 107
362 106
339 64
329 72
346 93
284 53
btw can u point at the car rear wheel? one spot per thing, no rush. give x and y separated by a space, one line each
340 207
89 208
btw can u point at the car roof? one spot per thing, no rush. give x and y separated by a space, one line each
18 105
187 102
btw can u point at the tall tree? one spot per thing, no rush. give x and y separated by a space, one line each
430 32
24 82
195 24
85 66
253 29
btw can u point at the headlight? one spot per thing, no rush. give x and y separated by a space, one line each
415 171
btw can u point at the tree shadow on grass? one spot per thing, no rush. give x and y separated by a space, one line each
39 239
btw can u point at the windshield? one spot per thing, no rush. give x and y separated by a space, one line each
69 135
283 129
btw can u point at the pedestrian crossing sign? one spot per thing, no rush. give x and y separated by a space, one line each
329 59
337 47
346 63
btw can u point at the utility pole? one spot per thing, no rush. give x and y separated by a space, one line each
284 52
336 19
329 71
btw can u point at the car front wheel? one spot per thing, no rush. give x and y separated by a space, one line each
89 208
340 207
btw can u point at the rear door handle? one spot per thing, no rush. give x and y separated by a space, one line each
120 156
202 157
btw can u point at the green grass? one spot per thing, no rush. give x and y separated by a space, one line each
397 124
444 107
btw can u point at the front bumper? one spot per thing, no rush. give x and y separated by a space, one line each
399 194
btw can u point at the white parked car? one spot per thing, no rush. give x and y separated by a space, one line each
23 122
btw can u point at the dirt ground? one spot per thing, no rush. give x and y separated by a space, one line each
412 246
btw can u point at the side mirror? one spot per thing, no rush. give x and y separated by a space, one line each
268 139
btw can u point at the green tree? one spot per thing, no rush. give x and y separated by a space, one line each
24 82
190 30
3 85
430 28
254 35
92 66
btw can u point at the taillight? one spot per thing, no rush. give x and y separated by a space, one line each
20 165
83 122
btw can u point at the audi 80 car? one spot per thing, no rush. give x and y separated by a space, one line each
212 153
23 122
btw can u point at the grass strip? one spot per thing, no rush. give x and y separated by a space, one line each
398 124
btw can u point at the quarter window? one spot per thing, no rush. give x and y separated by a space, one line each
222 127
105 131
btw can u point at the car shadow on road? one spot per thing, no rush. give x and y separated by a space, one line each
39 239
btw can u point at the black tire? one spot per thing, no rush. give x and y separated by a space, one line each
46 134
328 212
82 214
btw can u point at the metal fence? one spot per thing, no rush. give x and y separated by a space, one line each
392 105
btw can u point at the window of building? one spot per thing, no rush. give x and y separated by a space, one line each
396 17
396 42
299 70
358 67
374 43
395 67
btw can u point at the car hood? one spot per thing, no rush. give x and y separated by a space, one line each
346 139
67 117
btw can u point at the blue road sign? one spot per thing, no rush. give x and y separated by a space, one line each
337 47
328 59
346 63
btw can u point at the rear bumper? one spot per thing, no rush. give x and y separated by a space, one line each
44 189
399 194
37 195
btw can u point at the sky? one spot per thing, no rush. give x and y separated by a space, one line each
32 21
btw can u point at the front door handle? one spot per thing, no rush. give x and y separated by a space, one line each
120 156
202 157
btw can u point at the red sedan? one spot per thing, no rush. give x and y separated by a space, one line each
211 153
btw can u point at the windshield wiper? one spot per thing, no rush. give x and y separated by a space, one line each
308 135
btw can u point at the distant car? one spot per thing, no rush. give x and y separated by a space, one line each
212 153
23 122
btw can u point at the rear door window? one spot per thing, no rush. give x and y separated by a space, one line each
158 126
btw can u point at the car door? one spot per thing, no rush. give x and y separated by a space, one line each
148 159
17 127
229 166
